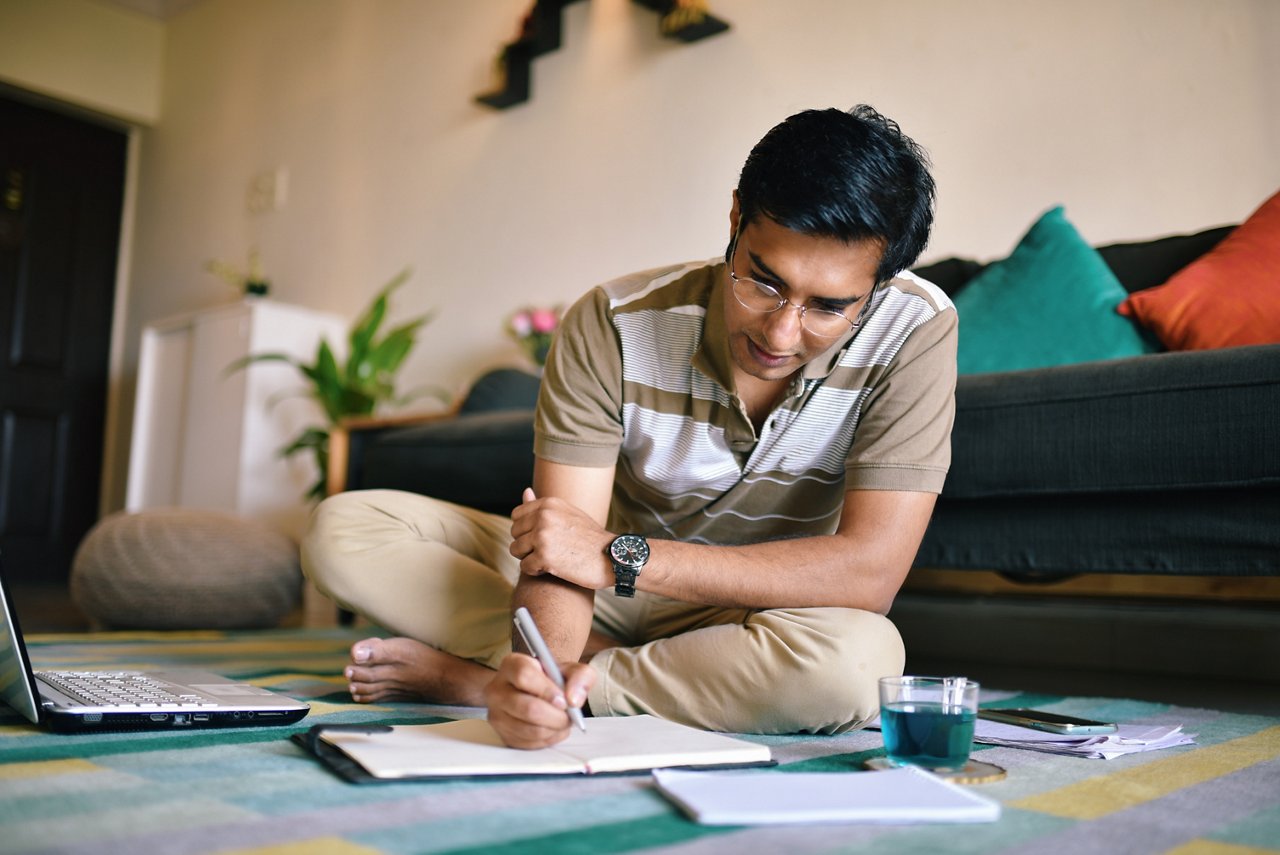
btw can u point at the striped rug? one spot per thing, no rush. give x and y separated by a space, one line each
253 791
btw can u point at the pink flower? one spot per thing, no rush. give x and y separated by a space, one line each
543 320
521 324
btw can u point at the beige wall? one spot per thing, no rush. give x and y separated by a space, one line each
86 53
1143 117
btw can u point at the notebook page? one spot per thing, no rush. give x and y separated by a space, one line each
472 747
450 749
646 742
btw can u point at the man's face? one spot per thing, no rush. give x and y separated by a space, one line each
815 272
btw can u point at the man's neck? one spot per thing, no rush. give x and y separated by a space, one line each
760 397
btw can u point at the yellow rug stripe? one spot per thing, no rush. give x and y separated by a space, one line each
314 846
1213 847
1110 793
45 768
319 708
117 637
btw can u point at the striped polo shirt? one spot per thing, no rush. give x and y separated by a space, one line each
640 378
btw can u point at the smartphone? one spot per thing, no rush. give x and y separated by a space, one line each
1047 721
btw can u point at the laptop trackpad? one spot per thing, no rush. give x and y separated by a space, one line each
230 690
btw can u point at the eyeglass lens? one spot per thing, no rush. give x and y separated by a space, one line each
760 297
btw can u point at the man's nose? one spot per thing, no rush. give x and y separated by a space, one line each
783 326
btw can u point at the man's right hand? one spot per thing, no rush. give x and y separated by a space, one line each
527 709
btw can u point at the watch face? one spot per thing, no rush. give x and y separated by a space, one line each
630 550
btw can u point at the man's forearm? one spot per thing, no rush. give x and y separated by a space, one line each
562 610
799 573
862 566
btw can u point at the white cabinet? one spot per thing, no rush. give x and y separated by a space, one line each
204 437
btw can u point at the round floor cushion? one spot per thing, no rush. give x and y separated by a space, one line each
176 568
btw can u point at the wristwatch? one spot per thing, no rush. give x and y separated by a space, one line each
629 552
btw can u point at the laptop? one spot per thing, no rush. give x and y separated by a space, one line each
72 701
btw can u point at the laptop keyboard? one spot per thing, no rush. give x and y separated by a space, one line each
120 689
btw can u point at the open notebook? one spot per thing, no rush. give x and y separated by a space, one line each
470 747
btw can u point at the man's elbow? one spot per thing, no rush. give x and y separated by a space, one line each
879 596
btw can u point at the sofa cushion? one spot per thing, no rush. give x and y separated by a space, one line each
950 274
1137 264
1147 263
479 459
1161 422
1051 302
502 389
1227 298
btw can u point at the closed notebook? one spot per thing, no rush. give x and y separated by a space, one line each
899 796
470 747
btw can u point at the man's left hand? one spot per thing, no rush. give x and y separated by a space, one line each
553 536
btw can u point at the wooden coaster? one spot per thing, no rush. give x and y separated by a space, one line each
973 772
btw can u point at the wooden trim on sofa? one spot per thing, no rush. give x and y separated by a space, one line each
340 439
1258 589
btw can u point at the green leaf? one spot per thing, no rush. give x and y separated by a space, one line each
363 333
366 328
357 387
245 361
310 439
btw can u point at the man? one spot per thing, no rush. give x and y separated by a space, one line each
735 464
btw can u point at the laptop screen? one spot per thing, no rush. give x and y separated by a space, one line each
17 685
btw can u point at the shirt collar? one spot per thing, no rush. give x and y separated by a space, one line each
712 357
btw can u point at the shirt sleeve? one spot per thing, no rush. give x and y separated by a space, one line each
903 441
579 414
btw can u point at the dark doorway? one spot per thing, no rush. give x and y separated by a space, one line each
61 194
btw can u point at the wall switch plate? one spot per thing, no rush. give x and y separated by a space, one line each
268 191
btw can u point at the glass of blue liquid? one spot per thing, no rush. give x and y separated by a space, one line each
928 721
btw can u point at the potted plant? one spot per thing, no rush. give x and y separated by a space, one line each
252 282
358 386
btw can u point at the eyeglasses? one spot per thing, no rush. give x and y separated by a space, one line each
759 297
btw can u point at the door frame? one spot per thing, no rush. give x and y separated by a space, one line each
117 417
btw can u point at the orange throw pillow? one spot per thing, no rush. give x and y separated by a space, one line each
1228 297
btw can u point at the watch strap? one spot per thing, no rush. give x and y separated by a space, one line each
624 581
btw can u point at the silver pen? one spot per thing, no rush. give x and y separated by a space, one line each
533 640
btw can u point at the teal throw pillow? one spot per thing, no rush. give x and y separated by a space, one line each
1051 302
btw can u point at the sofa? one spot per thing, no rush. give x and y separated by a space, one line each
1165 463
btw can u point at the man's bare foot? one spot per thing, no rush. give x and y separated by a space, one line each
389 668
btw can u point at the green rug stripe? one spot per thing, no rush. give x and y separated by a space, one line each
67 746
1261 831
852 761
516 813
1027 700
644 833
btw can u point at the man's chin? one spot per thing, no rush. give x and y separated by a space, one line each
757 364
768 366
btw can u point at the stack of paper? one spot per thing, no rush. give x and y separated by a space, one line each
1128 739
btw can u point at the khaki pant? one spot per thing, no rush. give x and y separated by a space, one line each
441 573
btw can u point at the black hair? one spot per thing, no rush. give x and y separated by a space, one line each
849 175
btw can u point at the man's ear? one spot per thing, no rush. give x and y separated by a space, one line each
733 216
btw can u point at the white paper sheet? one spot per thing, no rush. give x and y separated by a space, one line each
900 796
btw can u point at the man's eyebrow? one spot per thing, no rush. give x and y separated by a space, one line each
759 264
842 302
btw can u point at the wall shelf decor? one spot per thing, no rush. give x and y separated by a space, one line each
542 28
